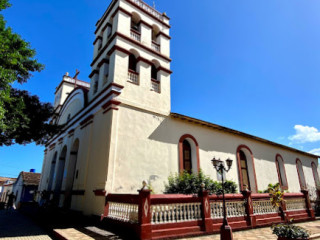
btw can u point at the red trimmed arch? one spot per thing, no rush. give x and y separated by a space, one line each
284 187
239 167
182 138
302 187
315 175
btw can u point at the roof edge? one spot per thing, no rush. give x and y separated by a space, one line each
235 132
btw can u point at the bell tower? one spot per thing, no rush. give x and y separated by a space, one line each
132 49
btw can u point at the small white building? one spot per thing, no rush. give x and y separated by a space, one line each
26 187
120 129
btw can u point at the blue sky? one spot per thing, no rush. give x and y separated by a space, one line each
249 65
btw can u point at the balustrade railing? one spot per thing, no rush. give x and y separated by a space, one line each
173 213
155 85
261 207
234 209
296 204
133 77
125 212
148 8
135 35
155 46
159 214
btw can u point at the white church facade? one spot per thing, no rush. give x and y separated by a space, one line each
119 129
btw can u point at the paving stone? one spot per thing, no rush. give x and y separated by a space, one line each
15 226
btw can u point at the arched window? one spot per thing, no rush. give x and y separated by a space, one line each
302 179
135 22
244 170
188 154
132 63
315 175
154 72
247 173
281 172
187 164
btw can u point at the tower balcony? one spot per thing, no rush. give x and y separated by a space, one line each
155 46
155 85
133 77
135 35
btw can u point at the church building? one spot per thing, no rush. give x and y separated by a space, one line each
119 129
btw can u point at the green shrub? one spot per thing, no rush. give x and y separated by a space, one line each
189 183
289 230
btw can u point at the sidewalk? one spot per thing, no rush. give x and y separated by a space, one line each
264 233
94 233
15 226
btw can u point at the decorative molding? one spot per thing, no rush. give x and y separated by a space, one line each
164 35
111 105
104 17
100 192
96 40
126 51
118 48
60 140
86 121
120 9
95 71
145 23
164 69
104 60
87 109
52 146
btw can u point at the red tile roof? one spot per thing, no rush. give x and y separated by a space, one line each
30 178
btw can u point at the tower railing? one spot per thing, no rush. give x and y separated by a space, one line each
148 8
155 85
135 35
155 46
133 77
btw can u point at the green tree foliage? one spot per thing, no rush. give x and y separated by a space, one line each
187 183
26 118
23 118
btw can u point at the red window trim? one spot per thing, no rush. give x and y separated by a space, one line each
301 186
284 187
239 167
181 169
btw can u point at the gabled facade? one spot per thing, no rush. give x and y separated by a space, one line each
120 130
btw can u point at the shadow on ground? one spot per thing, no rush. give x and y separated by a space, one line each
52 218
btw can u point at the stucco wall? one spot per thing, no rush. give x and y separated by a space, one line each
150 152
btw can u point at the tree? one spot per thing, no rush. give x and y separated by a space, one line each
23 118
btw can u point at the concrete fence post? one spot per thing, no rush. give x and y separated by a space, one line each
144 214
249 208
206 210
308 204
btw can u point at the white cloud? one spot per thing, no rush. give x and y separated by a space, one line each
315 151
305 134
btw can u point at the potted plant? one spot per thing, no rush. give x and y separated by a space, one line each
286 231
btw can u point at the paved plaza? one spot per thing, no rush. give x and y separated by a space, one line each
15 226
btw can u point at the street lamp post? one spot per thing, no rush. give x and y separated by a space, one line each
226 231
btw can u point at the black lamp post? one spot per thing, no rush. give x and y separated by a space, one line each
226 231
